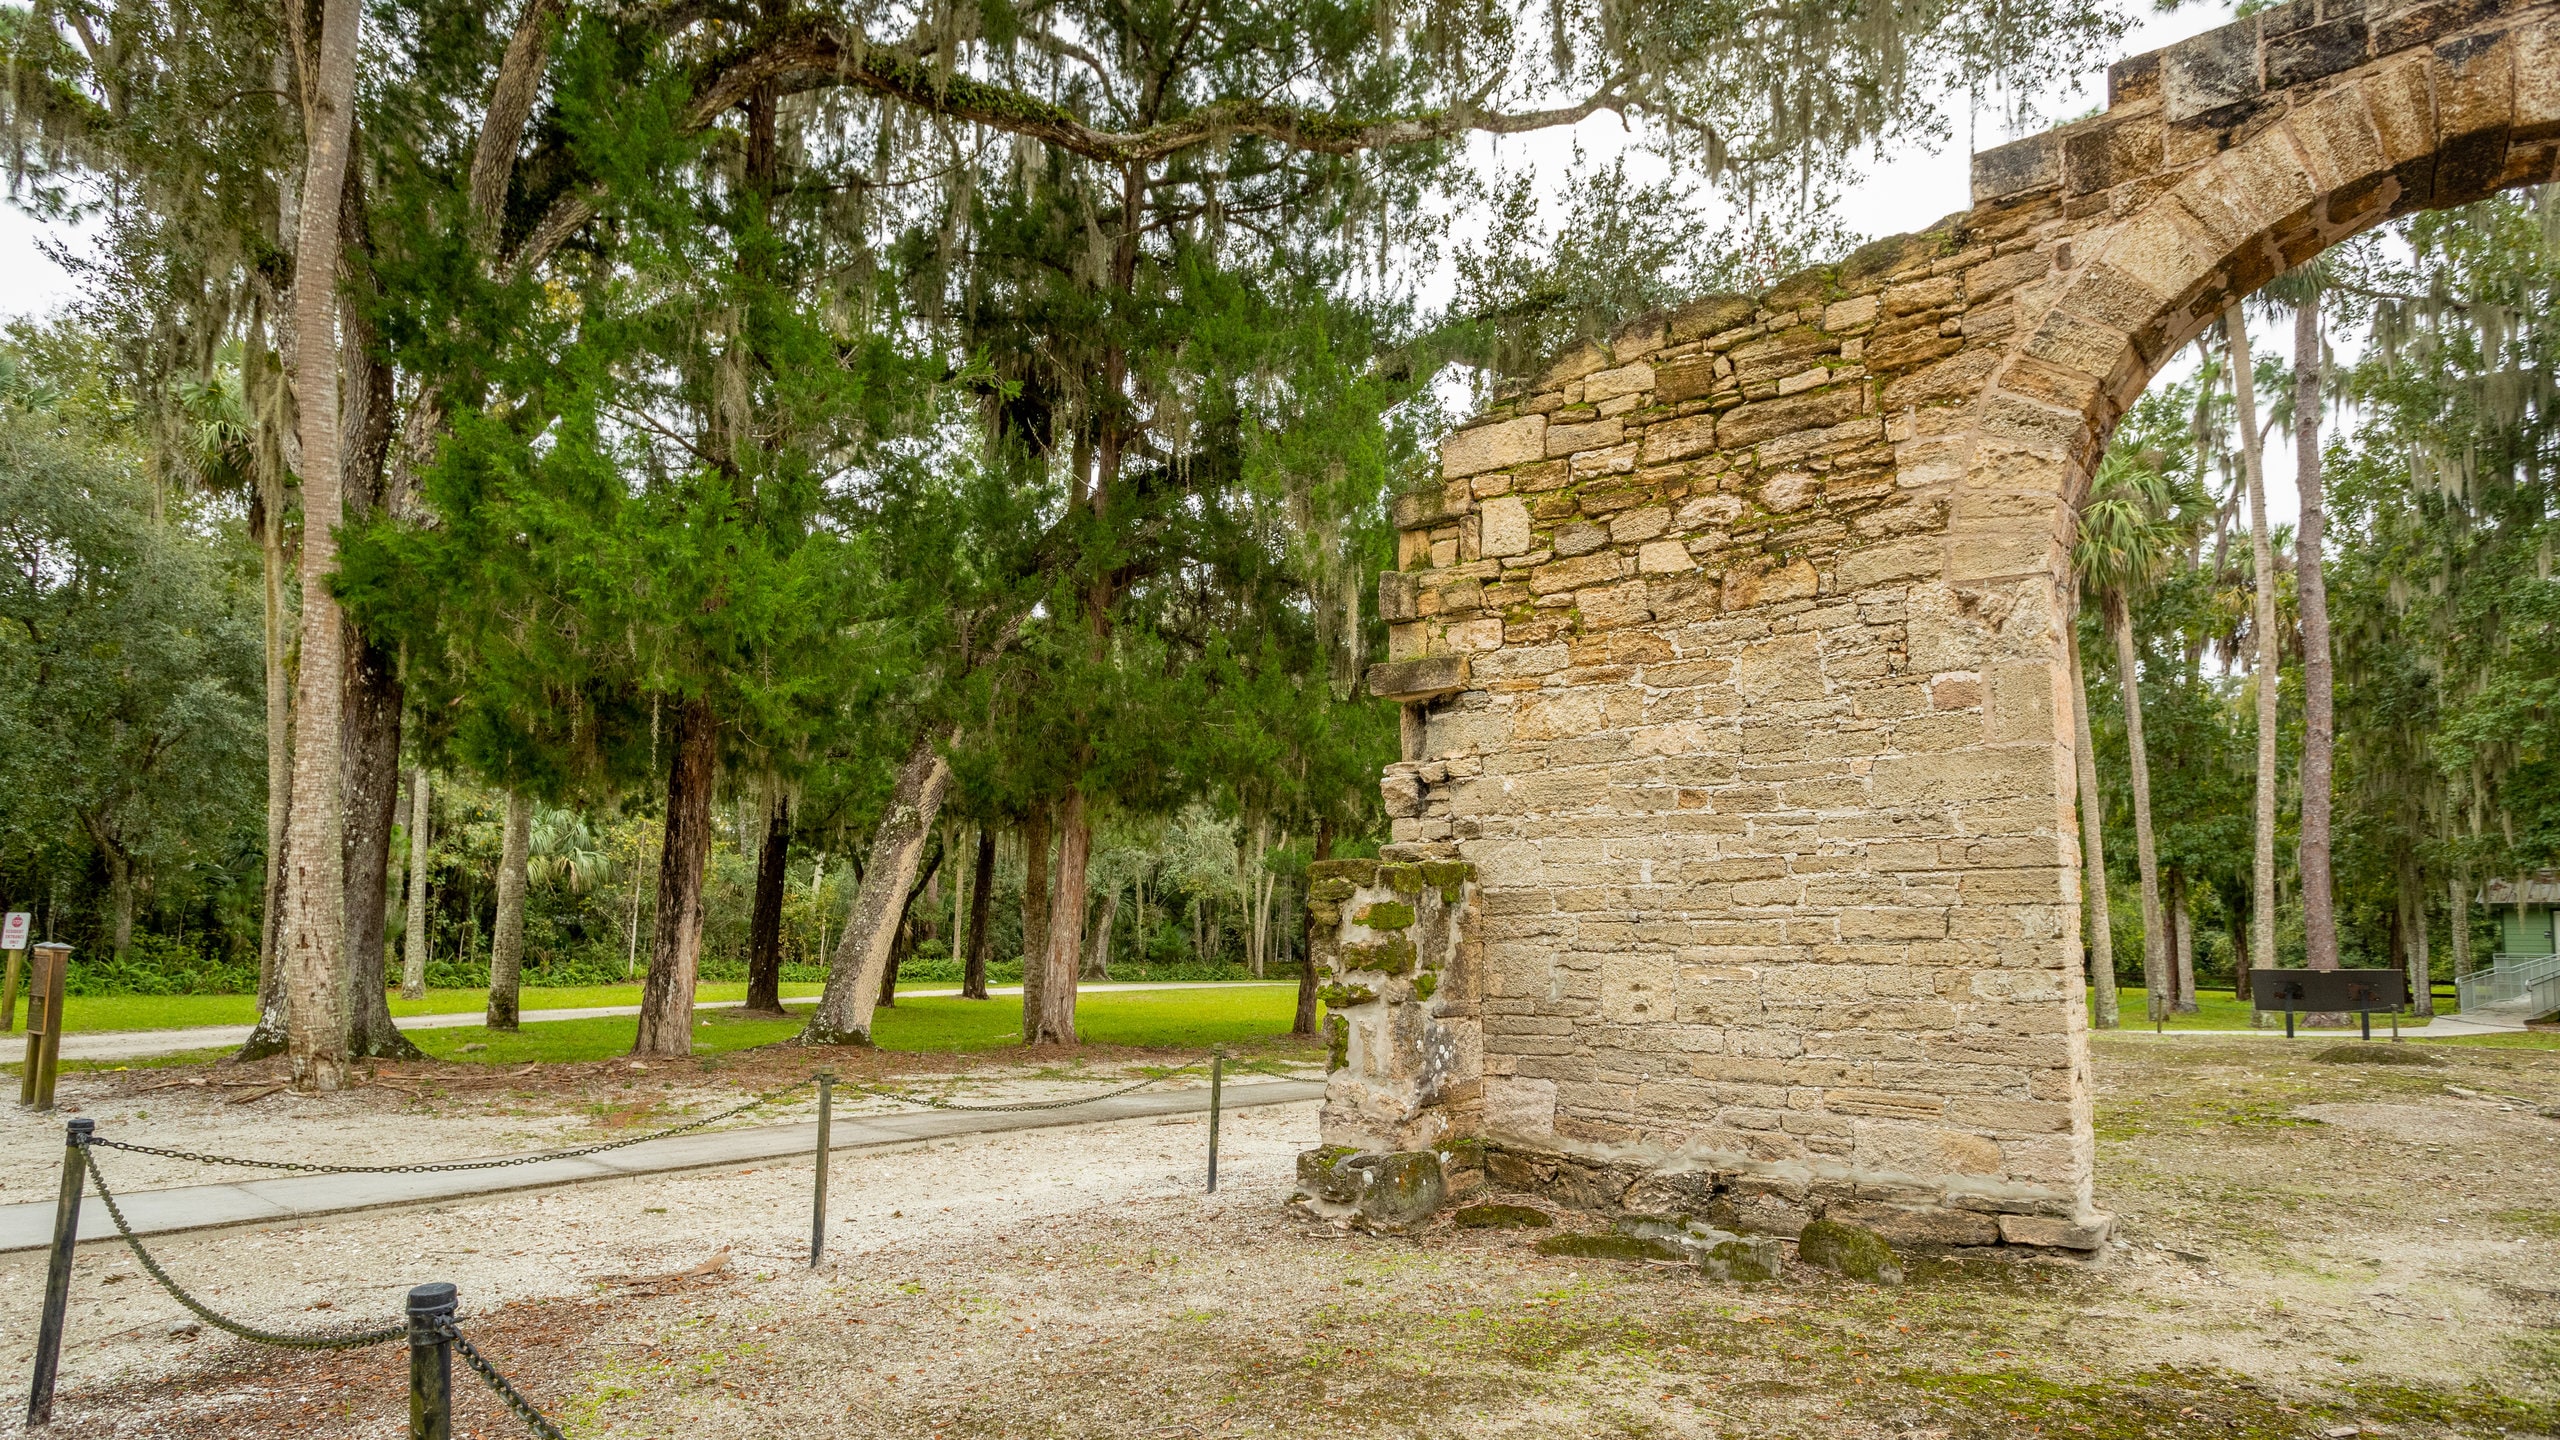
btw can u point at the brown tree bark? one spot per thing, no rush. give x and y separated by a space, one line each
413 941
506 939
1057 1023
1097 948
675 949
1035 916
375 695
2311 595
897 847
373 698
313 959
914 928
2182 944
973 982
764 926
1303 1020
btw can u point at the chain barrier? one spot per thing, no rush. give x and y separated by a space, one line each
1014 1107
324 1340
489 1374
305 1168
85 1144
499 1385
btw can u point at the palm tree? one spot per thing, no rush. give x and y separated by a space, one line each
2093 852
2134 521
2262 561
2301 288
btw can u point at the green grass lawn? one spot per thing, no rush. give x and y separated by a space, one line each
1172 1019
177 1012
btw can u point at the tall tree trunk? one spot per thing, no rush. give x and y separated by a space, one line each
2422 965
1097 949
914 927
2156 977
267 1036
2262 559
982 893
374 694
764 928
314 957
1035 916
413 944
2458 910
119 890
1066 925
506 940
897 846
2311 594
374 697
1302 1020
675 950
2093 853
2182 943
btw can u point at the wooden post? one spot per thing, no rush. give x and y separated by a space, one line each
1217 1078
9 991
430 1363
818 1194
44 1026
57 1278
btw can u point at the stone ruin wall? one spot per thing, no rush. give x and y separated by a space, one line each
1733 661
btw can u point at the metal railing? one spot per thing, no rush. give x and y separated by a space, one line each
2522 981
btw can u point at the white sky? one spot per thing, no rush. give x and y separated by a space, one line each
1901 191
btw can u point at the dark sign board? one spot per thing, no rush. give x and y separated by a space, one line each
2322 991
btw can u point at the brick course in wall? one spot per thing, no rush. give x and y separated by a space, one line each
1736 644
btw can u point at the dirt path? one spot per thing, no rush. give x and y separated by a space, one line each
2308 1247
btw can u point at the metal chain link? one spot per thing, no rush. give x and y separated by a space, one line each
337 1340
498 1384
1018 1105
202 1158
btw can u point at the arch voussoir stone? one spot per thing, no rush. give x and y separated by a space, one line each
1734 870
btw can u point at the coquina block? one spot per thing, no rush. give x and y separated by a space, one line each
1733 657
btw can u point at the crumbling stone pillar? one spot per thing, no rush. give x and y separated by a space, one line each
1736 648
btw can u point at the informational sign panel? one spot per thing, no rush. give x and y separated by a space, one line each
13 932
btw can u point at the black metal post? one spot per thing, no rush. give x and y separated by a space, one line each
431 1308
2288 1022
57 1278
818 1195
2365 1018
1217 1079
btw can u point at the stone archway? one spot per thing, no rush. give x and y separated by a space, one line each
1739 747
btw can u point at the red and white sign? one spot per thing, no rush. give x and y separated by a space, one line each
13 934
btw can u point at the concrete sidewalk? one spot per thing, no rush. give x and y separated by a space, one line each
140 1044
297 1197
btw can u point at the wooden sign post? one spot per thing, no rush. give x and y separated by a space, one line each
44 1026
13 941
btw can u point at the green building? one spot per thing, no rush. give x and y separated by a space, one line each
2524 908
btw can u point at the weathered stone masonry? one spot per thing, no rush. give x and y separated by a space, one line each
1733 661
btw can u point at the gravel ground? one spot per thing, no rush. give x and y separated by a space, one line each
2309 1250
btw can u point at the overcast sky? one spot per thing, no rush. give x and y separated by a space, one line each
1901 191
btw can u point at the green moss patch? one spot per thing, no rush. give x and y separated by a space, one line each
1385 915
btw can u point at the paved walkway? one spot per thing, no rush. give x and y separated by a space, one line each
295 1197
138 1044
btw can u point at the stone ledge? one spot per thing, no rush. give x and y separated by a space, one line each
1410 681
1767 1205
